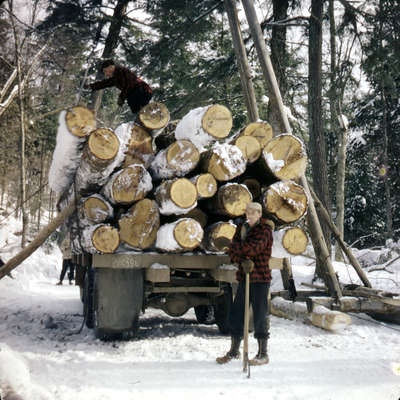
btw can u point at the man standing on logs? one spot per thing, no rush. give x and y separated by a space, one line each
251 249
135 90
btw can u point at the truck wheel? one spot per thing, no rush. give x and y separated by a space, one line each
204 314
118 299
222 309
88 313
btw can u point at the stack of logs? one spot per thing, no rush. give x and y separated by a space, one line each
176 186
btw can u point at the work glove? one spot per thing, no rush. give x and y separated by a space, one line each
247 266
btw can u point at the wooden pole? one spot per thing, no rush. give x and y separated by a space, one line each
38 241
243 64
353 261
276 99
246 366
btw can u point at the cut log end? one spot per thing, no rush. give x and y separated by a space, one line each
285 200
219 235
103 144
295 241
140 141
105 239
183 193
138 228
262 131
217 121
206 185
154 116
285 157
96 209
80 121
182 155
188 233
232 199
250 147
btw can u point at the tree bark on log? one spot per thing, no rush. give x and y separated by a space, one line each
224 161
204 125
178 159
140 149
128 185
138 227
183 235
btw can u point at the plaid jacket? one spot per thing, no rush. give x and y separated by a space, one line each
256 246
123 79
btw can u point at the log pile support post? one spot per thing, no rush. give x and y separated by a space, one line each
269 76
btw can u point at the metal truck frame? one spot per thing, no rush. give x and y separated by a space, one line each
115 288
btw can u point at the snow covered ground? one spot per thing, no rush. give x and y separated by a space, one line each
42 358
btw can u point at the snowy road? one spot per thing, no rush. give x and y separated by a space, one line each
175 358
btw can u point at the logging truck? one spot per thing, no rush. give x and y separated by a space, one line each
148 203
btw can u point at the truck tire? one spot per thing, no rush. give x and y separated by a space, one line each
118 300
204 314
222 309
88 312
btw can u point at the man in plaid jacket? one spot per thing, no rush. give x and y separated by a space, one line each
252 241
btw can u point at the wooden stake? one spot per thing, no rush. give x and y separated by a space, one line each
276 100
246 365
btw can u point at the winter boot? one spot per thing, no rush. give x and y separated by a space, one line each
232 353
262 355
59 283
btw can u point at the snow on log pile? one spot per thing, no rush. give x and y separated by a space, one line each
156 185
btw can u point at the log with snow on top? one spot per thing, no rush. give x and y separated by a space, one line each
176 196
289 242
183 235
284 157
154 117
74 125
321 316
231 200
139 225
214 233
103 153
128 185
224 161
204 125
178 159
140 148
96 209
100 238
286 201
206 185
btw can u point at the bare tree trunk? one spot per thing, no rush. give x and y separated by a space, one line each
389 216
22 128
278 50
40 186
110 46
243 64
339 133
317 140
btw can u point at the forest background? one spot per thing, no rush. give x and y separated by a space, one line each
336 62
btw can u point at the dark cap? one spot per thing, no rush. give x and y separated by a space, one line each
107 63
